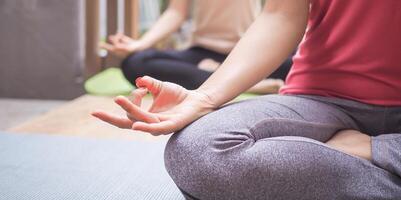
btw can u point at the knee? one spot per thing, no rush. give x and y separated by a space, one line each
195 163
216 165
183 160
129 67
179 161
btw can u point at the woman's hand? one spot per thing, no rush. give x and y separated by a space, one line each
172 109
122 45
352 142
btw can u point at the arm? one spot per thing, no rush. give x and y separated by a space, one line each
170 21
266 44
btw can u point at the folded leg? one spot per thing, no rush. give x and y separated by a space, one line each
271 148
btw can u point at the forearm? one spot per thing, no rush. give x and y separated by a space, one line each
266 44
169 22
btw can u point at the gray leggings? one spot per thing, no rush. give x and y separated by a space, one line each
272 147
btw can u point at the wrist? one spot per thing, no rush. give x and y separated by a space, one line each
209 97
206 101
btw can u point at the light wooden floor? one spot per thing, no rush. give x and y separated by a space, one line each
74 119
16 111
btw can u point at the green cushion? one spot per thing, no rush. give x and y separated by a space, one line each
245 96
111 82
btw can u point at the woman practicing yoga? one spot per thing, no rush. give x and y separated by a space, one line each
334 132
217 26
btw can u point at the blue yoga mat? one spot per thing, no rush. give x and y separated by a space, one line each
54 167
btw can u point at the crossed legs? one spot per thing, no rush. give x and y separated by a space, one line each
273 148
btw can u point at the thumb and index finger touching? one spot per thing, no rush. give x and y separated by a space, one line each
133 106
154 86
116 41
145 121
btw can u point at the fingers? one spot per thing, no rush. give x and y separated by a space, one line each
119 50
164 127
112 47
119 38
114 120
137 95
106 46
136 98
126 39
115 39
136 112
158 128
153 85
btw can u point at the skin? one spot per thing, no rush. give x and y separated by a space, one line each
265 86
352 142
170 21
174 107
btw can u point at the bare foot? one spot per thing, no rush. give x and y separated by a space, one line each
352 142
267 86
209 65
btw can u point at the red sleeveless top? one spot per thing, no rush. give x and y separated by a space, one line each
351 50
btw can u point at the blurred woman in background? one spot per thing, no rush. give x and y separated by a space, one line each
217 27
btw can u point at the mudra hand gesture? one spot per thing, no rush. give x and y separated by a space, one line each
172 109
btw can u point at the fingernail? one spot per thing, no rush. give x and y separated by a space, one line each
117 98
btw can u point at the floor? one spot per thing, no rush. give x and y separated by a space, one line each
117 160
72 118
17 111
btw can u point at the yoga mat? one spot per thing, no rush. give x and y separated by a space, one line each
34 166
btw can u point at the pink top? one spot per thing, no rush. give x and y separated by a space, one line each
219 24
351 50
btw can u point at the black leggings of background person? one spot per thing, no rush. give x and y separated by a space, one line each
180 67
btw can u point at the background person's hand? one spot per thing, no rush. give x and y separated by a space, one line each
122 45
172 109
352 142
